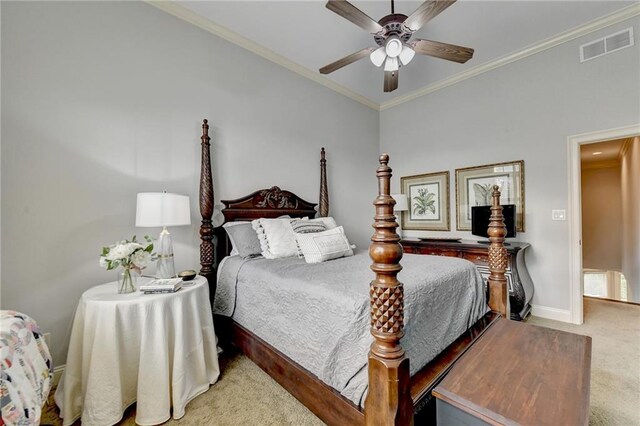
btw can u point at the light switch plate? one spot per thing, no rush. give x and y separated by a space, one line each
558 215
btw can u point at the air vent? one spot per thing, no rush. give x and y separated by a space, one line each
605 45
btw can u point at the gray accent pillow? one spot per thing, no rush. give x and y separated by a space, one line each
243 239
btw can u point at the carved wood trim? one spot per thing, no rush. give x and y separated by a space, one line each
498 258
267 203
324 191
388 400
207 257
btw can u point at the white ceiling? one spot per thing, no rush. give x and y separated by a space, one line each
308 34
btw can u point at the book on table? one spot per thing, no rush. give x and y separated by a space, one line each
162 285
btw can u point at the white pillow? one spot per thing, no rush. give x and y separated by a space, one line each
276 237
329 222
322 246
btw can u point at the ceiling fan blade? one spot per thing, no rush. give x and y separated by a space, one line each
355 15
390 81
346 60
450 52
426 12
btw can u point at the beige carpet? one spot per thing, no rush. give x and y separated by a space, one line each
247 396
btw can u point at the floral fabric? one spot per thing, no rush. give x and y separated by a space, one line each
27 371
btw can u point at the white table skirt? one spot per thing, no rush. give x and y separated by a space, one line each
156 349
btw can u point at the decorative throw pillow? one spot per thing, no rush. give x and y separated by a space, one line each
308 226
244 240
276 237
322 246
328 221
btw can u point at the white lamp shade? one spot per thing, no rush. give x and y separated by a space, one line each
406 55
162 209
378 56
391 64
401 202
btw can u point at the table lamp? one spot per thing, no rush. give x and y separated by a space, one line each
156 209
401 206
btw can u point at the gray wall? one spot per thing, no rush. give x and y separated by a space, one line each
522 111
102 100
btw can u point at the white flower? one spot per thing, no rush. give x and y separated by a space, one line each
141 258
103 262
122 251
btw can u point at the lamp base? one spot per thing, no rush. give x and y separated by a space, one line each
165 266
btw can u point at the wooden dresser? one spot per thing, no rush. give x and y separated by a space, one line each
520 284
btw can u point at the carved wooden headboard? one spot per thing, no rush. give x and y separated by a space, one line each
264 203
267 203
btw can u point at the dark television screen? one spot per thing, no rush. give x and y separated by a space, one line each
480 220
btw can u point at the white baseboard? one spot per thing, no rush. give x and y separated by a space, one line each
57 374
555 314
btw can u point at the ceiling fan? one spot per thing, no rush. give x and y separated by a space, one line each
393 33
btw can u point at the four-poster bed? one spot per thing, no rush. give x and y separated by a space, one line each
393 397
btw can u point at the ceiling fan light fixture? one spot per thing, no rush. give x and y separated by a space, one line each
378 56
406 55
391 64
393 47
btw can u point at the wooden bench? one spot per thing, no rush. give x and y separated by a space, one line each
519 374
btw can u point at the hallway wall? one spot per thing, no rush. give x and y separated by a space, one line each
630 184
602 218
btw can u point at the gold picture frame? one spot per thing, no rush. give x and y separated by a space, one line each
473 189
428 199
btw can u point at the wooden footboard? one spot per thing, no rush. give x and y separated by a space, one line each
389 400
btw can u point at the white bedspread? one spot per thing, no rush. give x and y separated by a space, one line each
318 314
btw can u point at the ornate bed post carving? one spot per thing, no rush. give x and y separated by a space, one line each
388 400
498 290
324 191
206 211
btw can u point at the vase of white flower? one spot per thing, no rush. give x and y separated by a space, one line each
132 256
127 280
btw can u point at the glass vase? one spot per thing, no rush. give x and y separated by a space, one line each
127 281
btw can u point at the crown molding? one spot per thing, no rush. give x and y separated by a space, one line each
187 15
579 31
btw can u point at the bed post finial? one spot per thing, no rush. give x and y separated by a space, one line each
206 211
323 209
498 290
388 400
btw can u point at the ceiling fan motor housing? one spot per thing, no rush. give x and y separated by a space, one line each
393 25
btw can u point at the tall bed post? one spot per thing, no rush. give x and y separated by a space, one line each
388 399
206 211
498 290
324 191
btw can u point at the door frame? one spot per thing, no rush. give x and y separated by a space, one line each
576 283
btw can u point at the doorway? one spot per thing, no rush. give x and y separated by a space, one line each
604 193
603 226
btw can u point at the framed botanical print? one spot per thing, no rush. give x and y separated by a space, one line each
474 187
428 199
